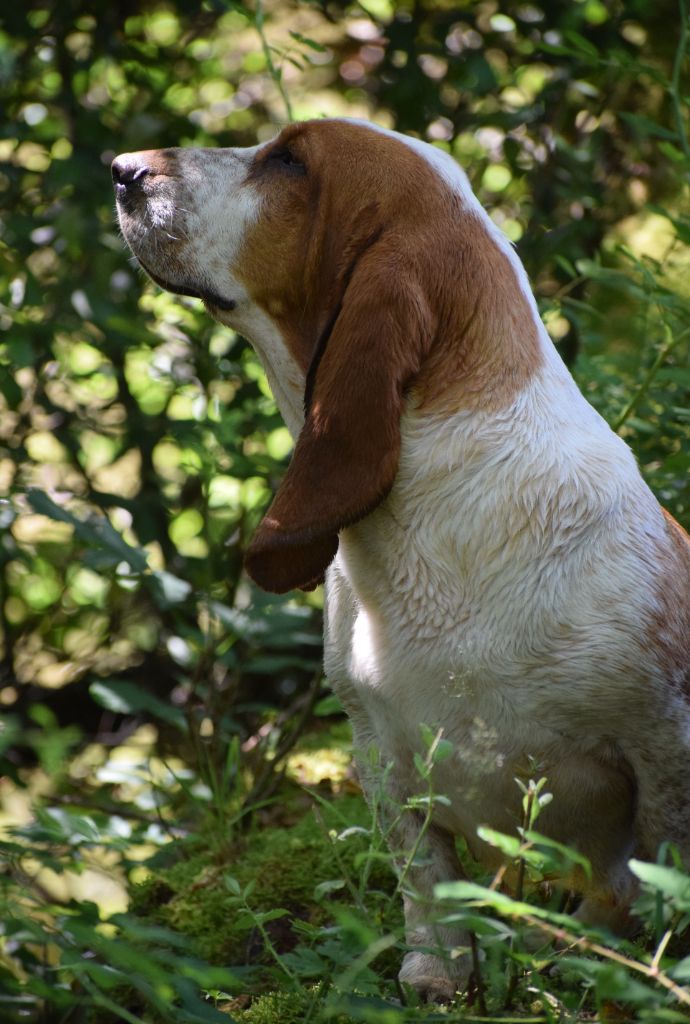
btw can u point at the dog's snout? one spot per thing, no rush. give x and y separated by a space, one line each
128 170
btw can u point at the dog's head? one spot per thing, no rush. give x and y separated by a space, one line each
345 253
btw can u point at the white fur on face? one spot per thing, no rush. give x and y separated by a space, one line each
190 218
188 229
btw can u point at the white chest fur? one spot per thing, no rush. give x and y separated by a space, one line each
478 599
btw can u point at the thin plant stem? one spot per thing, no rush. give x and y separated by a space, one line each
675 79
270 773
412 856
661 949
644 387
346 982
477 972
268 943
105 1003
274 72
519 892
317 997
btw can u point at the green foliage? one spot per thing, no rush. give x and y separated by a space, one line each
286 1007
218 897
65 957
153 695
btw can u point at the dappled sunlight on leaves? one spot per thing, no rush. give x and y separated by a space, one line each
160 713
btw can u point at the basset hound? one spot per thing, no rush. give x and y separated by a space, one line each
495 566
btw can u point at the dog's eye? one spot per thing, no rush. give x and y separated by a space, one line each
286 159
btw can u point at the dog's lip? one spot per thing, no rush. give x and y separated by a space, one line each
208 297
217 301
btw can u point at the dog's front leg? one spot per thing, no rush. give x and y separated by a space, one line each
439 967
424 856
439 964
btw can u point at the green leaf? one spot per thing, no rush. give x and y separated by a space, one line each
681 970
103 975
675 374
444 750
58 825
326 888
168 589
232 885
673 152
566 857
76 827
428 735
647 128
329 705
581 44
612 982
305 962
97 531
420 764
125 698
509 845
239 621
263 916
565 264
674 884
311 43
9 388
475 895
480 894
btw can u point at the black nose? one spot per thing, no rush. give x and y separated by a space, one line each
127 170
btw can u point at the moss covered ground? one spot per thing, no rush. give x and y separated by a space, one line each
282 864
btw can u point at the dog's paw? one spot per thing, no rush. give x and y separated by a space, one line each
435 979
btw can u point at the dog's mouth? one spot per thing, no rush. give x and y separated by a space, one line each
209 298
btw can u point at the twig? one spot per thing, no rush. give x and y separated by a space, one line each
652 971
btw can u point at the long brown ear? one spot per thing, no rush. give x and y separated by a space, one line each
346 456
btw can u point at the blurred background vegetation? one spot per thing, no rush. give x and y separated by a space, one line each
146 686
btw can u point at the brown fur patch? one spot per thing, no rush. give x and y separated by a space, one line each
489 347
383 284
670 631
357 183
346 456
